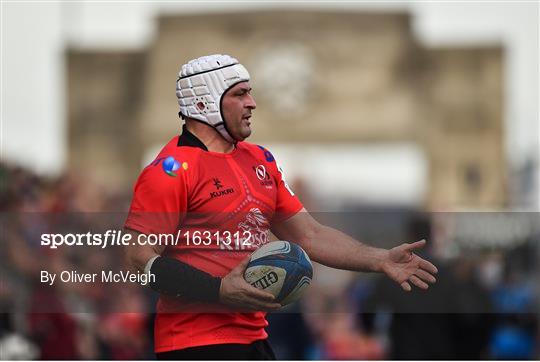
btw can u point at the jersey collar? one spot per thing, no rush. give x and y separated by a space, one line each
190 140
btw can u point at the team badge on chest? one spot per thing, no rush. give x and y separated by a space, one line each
263 176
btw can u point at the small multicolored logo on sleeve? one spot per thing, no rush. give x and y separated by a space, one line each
170 165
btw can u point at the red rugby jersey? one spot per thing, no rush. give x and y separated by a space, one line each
227 201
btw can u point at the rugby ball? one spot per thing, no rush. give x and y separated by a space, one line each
281 268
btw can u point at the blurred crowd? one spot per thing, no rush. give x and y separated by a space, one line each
484 306
67 320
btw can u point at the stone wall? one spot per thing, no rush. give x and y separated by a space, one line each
104 92
318 77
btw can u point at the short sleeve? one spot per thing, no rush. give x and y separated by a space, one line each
287 203
159 201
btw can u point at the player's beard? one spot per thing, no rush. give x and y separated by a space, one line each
246 128
242 130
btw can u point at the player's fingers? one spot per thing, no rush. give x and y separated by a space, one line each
271 306
416 281
416 245
425 276
259 294
406 286
426 265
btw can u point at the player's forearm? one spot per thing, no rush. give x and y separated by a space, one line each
139 255
173 277
335 249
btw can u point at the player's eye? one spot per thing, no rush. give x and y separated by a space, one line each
242 92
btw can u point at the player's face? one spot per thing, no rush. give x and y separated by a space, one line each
237 105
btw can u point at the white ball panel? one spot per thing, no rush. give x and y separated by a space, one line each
266 277
273 248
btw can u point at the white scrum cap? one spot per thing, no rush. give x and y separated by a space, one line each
201 84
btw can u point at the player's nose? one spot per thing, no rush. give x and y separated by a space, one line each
251 104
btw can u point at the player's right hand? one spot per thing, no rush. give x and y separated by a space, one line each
235 292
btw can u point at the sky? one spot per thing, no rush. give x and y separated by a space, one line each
36 34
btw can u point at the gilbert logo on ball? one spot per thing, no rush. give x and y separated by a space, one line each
281 268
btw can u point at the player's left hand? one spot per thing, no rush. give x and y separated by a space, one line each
405 267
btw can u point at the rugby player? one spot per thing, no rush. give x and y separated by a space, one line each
230 193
